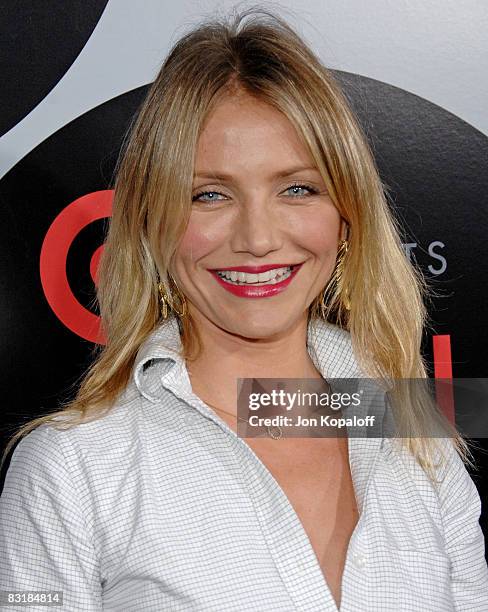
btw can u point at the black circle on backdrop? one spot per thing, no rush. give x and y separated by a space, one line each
433 163
44 39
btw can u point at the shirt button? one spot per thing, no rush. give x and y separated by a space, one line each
359 560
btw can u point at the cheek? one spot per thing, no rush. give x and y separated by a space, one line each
318 230
199 240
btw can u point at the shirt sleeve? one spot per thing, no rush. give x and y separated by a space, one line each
461 509
44 541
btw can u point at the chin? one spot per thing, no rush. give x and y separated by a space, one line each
257 327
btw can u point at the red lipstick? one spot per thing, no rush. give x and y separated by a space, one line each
250 291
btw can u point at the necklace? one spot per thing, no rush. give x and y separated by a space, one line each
274 432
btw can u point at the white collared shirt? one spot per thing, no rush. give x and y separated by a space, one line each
159 505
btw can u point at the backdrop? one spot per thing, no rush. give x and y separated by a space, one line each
75 72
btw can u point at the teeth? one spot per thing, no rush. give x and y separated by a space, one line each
270 277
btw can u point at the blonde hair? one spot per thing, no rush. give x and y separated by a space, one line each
264 57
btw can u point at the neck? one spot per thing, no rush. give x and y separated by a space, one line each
225 357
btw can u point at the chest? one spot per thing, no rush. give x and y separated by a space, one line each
182 531
315 477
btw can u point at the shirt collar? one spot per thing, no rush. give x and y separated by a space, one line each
329 346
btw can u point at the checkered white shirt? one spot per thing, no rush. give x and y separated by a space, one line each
160 506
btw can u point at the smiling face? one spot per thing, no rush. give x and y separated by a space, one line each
265 205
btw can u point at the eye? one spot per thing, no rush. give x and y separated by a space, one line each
212 196
296 186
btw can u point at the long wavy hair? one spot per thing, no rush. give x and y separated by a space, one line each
257 52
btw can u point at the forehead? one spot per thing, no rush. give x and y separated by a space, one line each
242 131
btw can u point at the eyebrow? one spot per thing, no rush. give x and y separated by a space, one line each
222 176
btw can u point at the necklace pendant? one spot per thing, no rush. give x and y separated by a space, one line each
274 432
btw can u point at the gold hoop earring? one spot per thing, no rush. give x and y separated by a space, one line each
172 300
335 282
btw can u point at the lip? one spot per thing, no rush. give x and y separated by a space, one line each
254 269
248 291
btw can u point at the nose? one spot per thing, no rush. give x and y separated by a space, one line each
257 228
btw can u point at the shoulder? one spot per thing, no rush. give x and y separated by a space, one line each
449 493
449 476
60 450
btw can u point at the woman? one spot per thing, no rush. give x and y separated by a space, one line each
250 238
